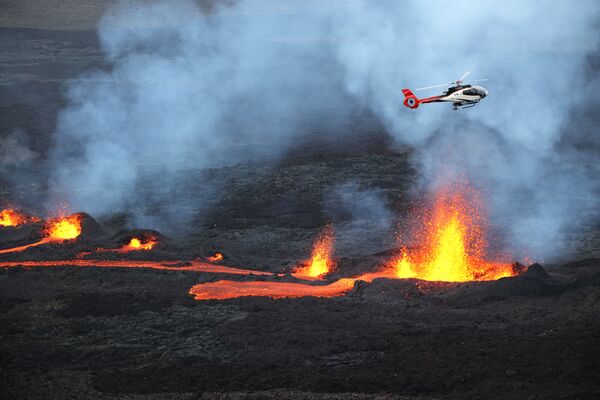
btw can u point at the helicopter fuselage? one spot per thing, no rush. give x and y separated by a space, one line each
459 96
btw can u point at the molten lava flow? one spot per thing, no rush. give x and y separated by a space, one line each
194 266
19 249
221 290
224 289
65 228
321 262
453 237
215 257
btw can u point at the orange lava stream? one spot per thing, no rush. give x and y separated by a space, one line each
194 266
453 237
224 289
321 262
25 247
221 290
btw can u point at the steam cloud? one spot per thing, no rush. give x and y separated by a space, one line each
191 90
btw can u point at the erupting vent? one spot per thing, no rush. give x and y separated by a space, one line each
321 262
452 238
65 228
11 217
216 257
140 244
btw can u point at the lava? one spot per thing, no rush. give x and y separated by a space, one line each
19 249
135 244
56 230
139 244
12 217
321 262
64 228
194 266
216 257
225 289
221 290
453 242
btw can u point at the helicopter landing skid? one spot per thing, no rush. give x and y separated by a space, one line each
458 106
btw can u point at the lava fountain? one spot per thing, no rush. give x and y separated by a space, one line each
65 228
11 217
453 241
321 262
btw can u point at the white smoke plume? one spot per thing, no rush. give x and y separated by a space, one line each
534 55
363 221
191 90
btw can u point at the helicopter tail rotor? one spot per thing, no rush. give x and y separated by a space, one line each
410 100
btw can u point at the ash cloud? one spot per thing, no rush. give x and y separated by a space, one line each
190 90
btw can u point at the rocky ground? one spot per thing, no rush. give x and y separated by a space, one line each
70 332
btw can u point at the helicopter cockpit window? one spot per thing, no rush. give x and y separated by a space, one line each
471 92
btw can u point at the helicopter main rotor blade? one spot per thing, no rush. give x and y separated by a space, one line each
479 80
435 86
463 77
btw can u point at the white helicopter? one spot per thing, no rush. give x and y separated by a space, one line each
461 96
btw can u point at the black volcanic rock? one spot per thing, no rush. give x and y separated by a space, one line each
535 271
12 236
91 230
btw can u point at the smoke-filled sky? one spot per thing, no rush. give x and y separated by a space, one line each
192 90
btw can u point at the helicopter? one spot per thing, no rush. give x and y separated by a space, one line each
461 96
